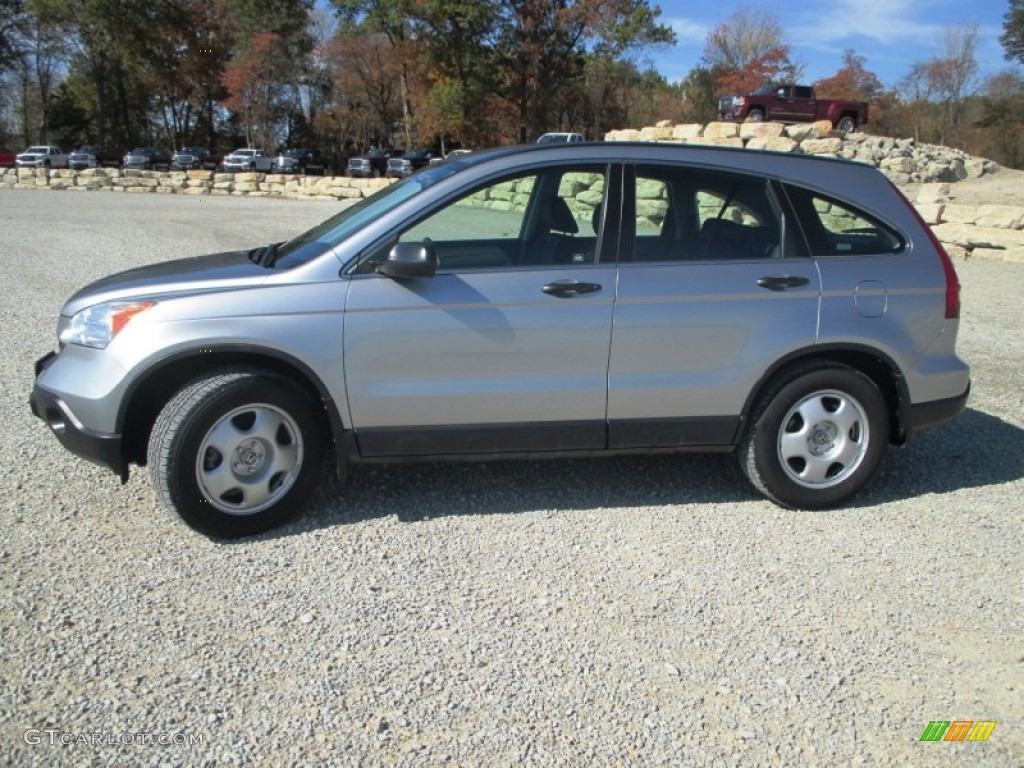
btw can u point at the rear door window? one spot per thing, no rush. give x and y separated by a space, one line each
687 214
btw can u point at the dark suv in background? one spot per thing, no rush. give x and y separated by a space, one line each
147 158
297 160
410 162
371 165
193 158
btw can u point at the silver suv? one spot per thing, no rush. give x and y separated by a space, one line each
559 300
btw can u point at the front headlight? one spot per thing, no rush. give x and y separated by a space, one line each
97 326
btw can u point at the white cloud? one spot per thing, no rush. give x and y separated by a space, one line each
885 21
687 30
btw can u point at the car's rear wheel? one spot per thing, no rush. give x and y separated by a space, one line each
847 124
817 436
236 452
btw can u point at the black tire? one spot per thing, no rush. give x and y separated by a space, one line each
847 124
817 436
755 116
236 452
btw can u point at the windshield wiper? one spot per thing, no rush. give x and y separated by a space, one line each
264 256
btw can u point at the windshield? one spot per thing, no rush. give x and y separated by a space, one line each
38 150
343 225
765 90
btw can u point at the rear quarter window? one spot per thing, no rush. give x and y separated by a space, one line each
835 228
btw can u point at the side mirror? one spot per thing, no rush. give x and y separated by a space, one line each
407 260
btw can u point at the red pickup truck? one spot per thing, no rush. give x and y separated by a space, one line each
792 104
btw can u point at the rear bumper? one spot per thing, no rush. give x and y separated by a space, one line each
924 415
99 448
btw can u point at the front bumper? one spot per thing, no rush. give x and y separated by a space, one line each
99 448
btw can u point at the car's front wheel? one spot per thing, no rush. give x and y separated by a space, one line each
817 436
236 452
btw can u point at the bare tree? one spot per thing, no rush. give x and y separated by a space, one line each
954 77
916 88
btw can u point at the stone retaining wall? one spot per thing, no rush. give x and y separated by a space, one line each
192 183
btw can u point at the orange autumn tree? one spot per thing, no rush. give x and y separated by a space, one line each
852 82
253 84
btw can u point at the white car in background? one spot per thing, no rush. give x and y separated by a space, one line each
42 156
248 160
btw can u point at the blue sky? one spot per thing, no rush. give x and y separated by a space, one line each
891 34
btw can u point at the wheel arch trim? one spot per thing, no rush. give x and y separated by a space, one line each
874 364
167 374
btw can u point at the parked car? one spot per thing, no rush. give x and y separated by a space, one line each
528 301
7 158
248 160
146 158
299 161
42 156
371 165
193 158
94 156
794 104
409 162
561 138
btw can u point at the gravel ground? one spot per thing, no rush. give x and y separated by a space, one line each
642 611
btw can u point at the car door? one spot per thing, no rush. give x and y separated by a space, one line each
505 348
713 289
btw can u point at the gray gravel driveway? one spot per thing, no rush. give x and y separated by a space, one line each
634 611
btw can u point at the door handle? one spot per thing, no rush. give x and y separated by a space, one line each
782 282
566 289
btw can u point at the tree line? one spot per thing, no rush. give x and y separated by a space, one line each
344 75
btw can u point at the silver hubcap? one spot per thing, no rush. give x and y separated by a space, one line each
249 459
824 438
